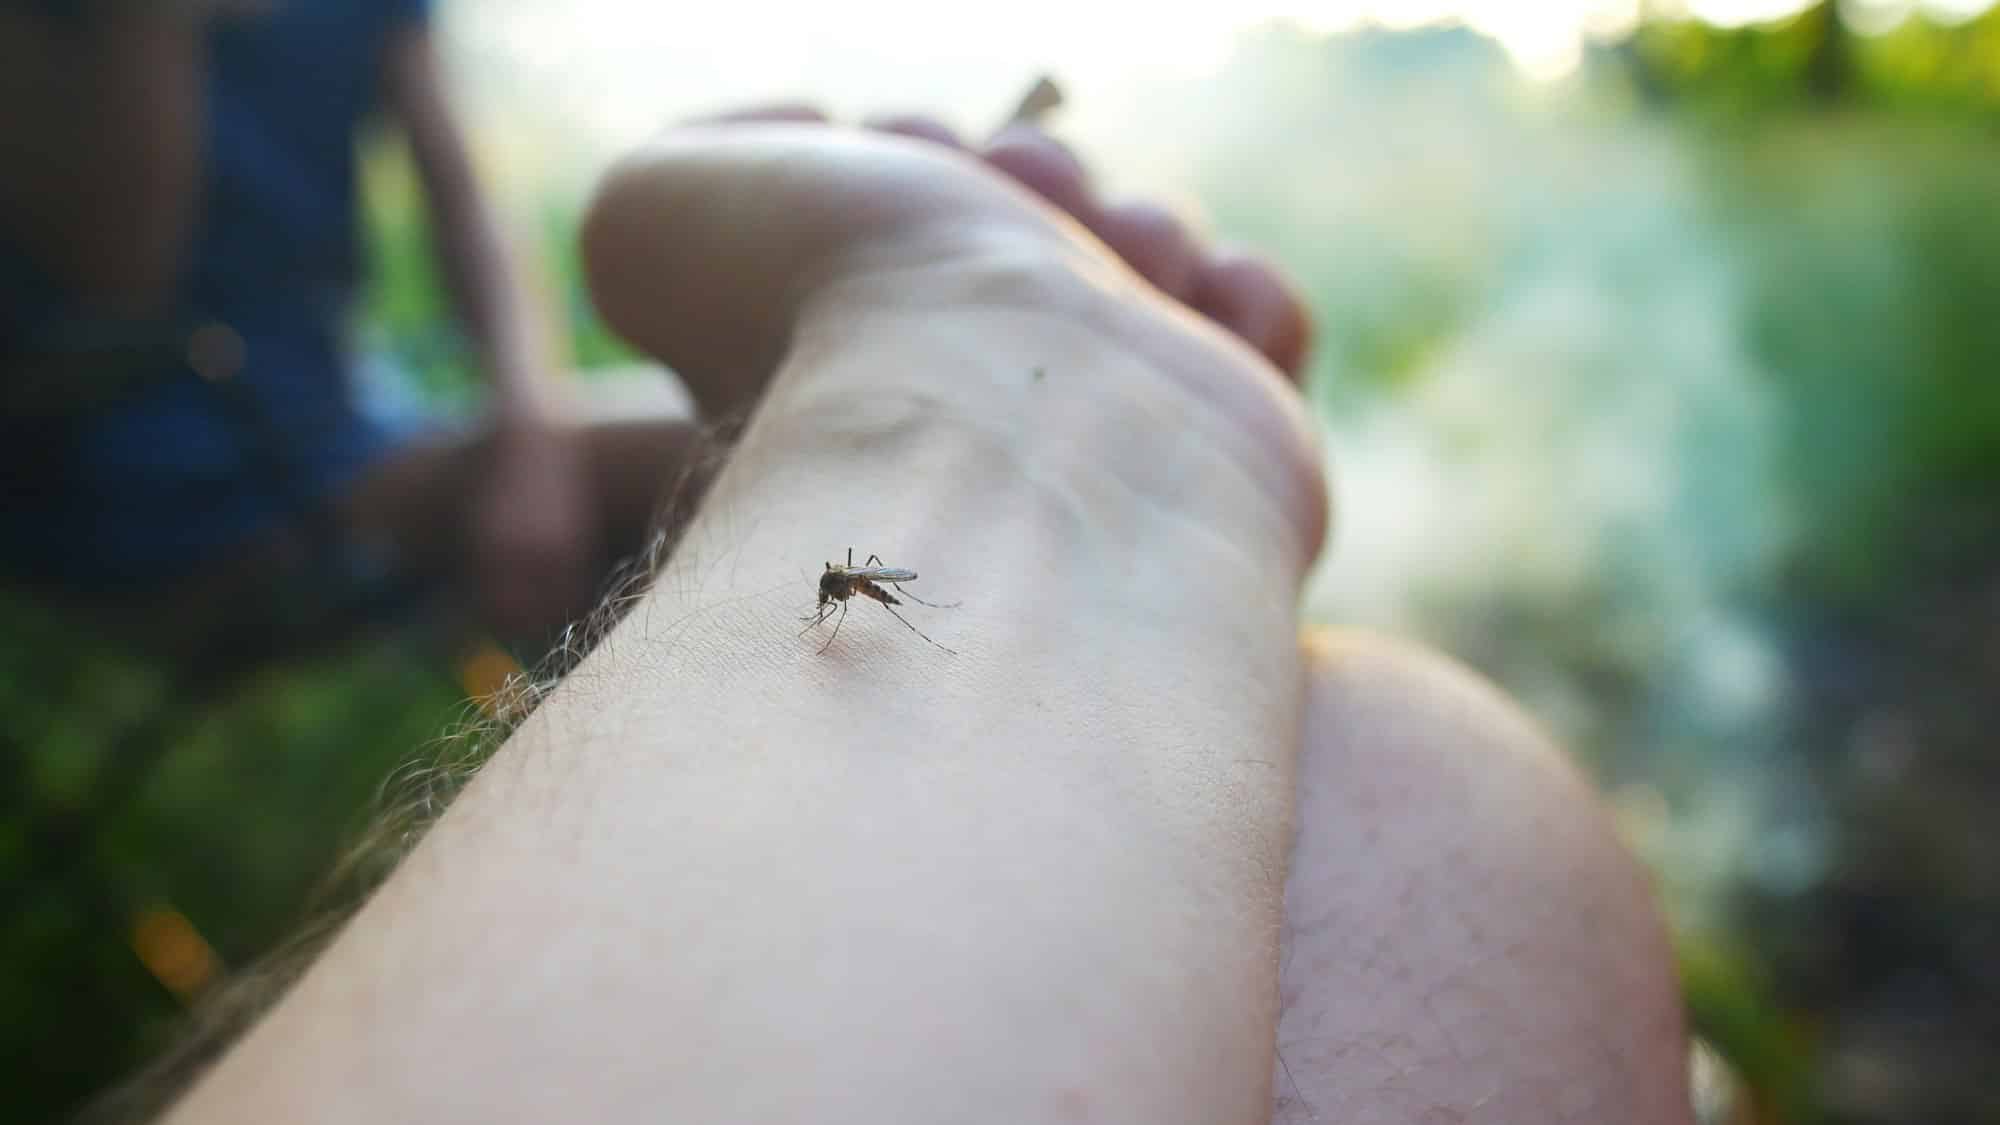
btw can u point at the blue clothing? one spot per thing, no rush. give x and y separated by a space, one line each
168 478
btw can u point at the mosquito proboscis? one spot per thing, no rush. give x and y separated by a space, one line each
870 580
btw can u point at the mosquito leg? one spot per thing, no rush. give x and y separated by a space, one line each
905 591
872 559
913 629
836 627
816 619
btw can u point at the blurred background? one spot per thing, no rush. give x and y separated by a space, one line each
1660 364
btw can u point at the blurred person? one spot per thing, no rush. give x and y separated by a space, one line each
1132 850
180 252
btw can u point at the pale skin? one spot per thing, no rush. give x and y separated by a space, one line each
1134 844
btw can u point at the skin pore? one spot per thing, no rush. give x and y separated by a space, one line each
720 875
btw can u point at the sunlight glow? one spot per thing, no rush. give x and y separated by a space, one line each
1738 13
617 69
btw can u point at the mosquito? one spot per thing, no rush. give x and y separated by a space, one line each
840 583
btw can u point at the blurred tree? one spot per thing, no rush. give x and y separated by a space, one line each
1817 58
1829 67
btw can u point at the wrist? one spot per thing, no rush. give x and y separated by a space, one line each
1020 369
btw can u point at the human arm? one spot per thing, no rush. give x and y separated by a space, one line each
726 876
534 527
473 259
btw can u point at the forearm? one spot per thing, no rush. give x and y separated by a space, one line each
479 274
730 877
485 289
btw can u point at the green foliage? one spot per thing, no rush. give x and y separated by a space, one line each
1872 306
1747 68
1921 65
234 826
1731 1004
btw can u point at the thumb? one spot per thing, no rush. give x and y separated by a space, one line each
702 248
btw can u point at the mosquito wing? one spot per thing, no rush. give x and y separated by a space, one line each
882 574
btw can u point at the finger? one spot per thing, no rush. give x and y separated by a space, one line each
702 248
1248 296
1046 167
1154 243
